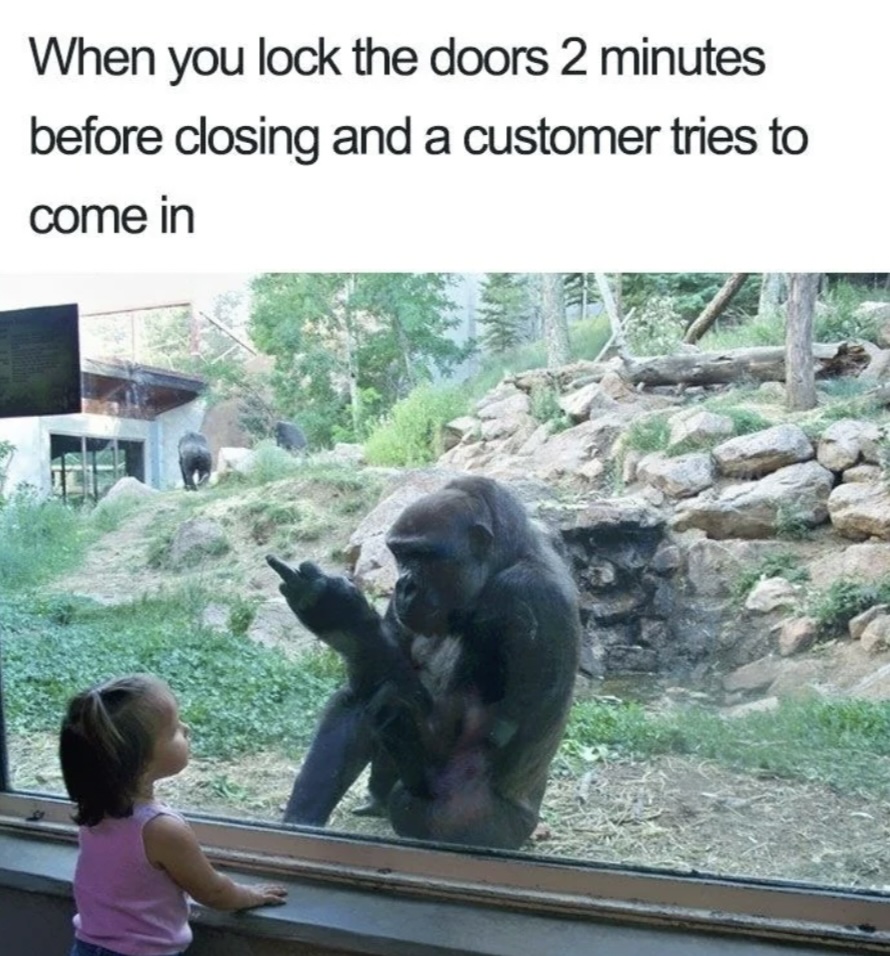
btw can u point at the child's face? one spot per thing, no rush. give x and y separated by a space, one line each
171 747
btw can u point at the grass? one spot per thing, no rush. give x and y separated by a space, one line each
38 540
834 607
237 696
781 564
843 743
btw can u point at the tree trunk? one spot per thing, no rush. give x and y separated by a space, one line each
352 358
613 310
800 378
715 307
555 324
773 289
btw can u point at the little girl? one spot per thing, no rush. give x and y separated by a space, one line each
139 861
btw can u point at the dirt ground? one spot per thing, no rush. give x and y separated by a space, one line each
669 812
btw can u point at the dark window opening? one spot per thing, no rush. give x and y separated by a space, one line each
83 469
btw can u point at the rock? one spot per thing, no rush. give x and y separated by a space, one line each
864 563
876 636
458 430
750 456
756 509
859 623
196 540
756 676
126 487
698 426
797 635
862 474
846 442
771 594
860 511
680 477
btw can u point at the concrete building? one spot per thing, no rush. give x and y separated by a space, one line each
131 420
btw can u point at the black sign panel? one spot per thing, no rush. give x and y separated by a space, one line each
39 362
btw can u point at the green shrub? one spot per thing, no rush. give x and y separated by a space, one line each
38 539
270 463
651 433
411 434
843 600
780 564
655 328
544 407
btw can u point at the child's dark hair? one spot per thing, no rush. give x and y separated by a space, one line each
106 741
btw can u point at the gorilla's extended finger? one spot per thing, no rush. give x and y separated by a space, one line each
284 571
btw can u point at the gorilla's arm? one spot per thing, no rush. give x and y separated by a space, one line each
381 675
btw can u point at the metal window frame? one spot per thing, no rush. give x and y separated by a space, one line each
845 920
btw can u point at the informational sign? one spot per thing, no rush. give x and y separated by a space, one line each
39 362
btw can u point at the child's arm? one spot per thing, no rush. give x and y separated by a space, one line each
171 844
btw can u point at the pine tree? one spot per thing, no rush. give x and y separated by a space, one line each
502 312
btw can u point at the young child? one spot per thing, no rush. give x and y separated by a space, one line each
139 861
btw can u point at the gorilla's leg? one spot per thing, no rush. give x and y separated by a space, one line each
186 476
342 746
471 816
384 776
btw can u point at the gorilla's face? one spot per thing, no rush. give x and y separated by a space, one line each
443 554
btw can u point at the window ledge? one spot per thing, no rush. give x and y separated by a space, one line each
376 922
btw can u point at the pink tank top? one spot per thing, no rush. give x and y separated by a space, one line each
123 902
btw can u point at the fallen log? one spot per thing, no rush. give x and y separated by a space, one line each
763 363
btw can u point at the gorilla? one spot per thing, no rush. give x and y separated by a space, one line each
290 436
458 696
194 458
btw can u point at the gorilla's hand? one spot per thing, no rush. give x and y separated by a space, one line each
330 606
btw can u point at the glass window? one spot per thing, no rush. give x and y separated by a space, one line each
661 774
83 468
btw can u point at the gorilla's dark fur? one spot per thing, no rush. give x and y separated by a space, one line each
459 695
194 459
290 436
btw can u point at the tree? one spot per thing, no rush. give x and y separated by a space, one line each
504 312
556 329
800 381
716 306
347 346
772 292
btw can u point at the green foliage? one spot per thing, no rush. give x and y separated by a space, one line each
838 319
745 421
282 523
655 327
503 312
109 515
792 523
834 607
38 539
241 614
411 433
759 330
544 406
385 331
7 450
270 463
650 433
689 292
780 564
840 743
588 337
237 696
